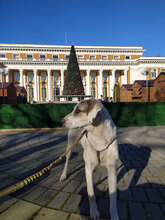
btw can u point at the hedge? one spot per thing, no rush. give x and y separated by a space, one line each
49 115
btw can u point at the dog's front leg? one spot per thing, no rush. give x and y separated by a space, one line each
94 214
64 173
112 182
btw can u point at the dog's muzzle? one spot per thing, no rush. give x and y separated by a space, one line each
63 122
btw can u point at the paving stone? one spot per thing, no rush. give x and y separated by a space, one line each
72 186
78 217
162 191
139 195
154 212
125 195
72 203
84 206
59 200
46 197
154 195
49 214
21 210
136 211
60 185
142 182
82 189
122 210
35 193
6 202
103 207
50 181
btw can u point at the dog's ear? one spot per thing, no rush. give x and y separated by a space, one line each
94 107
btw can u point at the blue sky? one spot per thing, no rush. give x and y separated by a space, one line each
85 22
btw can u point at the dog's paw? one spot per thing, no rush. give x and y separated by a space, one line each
94 214
63 177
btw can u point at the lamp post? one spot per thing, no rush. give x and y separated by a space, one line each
3 72
145 73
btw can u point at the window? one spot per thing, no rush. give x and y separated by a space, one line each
82 77
162 70
104 57
67 57
42 57
93 91
105 90
92 57
16 77
43 77
30 77
56 77
127 57
43 92
31 93
93 77
117 76
2 55
80 57
15 56
116 57
55 57
29 56
105 77
153 73
56 91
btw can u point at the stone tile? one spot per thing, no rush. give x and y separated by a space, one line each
59 200
72 203
46 197
154 212
125 195
49 214
60 185
72 186
35 193
122 210
154 195
21 210
136 211
139 195
50 181
6 202
79 217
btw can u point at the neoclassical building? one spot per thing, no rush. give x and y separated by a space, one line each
41 69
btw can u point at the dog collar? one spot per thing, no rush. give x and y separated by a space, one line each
98 152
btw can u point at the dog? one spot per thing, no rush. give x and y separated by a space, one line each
100 147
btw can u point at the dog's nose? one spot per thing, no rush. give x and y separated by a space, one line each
62 121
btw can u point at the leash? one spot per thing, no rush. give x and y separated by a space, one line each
33 177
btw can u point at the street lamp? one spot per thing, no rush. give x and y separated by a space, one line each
3 72
145 73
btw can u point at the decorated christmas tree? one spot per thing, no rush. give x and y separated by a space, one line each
73 83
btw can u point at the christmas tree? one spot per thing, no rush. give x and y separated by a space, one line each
73 83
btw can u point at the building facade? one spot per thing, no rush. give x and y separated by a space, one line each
41 69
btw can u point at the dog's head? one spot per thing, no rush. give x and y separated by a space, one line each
84 114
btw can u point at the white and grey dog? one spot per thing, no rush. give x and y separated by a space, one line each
100 147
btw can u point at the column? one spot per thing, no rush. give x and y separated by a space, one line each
88 91
35 86
7 75
49 85
112 82
100 83
21 77
125 77
62 80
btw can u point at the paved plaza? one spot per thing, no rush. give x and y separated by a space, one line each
141 176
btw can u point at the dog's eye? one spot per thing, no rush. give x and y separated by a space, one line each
78 111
